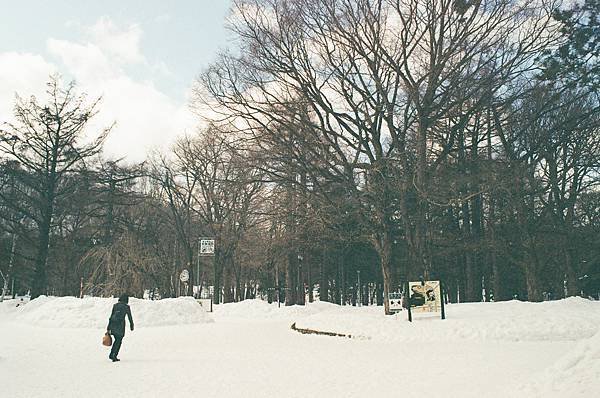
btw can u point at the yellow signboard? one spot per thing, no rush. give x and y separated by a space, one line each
425 296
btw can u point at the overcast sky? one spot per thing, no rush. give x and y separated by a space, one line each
140 55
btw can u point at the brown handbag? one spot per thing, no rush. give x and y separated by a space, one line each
107 339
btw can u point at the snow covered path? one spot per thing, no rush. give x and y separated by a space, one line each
261 357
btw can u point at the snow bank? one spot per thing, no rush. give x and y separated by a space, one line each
71 312
571 319
577 374
564 320
8 307
261 310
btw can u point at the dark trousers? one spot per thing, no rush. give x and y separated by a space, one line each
116 346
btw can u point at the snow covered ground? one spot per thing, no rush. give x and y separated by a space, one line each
51 347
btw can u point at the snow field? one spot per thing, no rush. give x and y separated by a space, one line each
51 347
576 374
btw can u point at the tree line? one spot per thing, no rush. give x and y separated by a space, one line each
391 139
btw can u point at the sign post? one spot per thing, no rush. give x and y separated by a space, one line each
443 299
198 272
406 292
206 248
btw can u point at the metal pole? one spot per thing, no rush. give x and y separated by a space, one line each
277 285
442 299
408 301
359 293
198 272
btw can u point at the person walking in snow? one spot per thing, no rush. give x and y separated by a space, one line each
116 325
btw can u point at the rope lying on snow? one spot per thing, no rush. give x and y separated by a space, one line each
311 331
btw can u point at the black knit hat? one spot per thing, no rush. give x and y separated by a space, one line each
124 299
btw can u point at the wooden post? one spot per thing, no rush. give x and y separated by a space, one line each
408 301
442 300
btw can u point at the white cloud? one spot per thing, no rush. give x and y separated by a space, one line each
124 44
85 62
146 118
22 73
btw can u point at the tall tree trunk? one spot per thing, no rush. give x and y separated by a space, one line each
228 283
383 245
10 276
40 278
421 172
239 295
323 280
291 283
572 285
498 291
342 278
470 276
531 279
300 295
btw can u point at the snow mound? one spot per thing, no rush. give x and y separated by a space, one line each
577 374
261 310
8 307
565 320
71 312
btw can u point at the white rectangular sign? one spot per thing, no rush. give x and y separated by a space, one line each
207 247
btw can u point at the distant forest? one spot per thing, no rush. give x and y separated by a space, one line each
377 140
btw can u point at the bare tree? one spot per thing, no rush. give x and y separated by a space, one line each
208 184
48 142
375 93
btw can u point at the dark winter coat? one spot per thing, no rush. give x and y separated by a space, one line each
116 322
